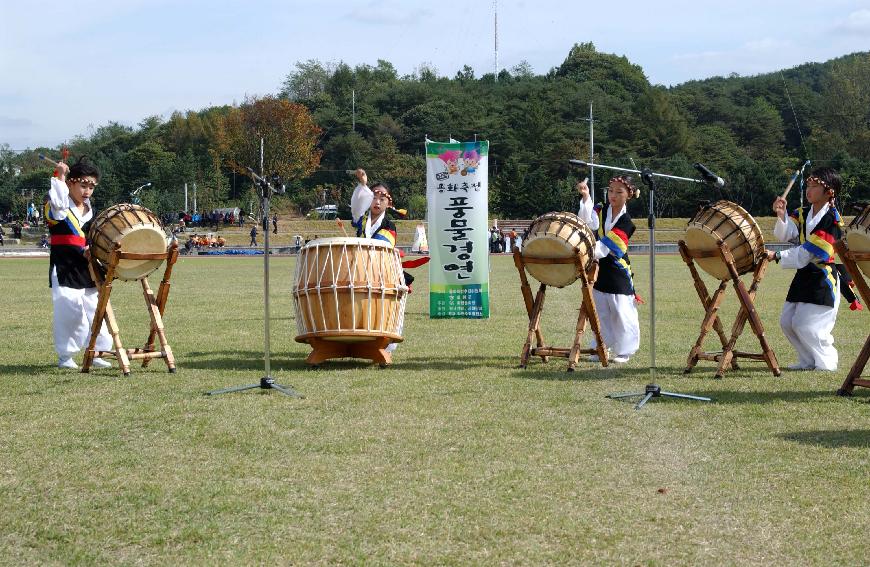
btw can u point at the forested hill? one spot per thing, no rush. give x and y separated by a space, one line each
752 131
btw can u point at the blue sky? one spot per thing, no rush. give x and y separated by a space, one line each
68 67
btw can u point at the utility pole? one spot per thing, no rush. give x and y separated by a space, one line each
591 122
495 22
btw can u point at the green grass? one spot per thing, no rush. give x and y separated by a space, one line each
451 456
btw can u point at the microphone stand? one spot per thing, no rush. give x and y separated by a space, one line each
648 176
266 382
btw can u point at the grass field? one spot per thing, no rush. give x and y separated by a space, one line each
451 456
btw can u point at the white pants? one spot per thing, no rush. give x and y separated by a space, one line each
619 325
808 328
73 317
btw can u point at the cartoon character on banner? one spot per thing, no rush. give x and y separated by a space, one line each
471 159
451 160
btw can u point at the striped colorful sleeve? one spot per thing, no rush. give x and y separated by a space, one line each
821 245
387 235
616 241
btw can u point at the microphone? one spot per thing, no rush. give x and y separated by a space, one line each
578 163
709 176
256 177
264 183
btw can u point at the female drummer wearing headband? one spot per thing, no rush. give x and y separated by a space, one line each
73 293
810 309
614 290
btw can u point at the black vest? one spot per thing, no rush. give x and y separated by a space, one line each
816 282
69 260
614 274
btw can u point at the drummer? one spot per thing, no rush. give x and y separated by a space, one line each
368 208
73 293
613 291
810 309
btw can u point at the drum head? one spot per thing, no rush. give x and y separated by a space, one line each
558 235
140 240
697 239
550 246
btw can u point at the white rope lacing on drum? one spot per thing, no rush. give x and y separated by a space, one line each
336 273
328 262
351 284
368 272
311 267
401 292
296 275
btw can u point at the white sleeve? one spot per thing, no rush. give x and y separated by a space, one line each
586 212
601 250
58 199
785 230
360 201
795 258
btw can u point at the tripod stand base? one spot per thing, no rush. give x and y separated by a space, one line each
655 391
266 383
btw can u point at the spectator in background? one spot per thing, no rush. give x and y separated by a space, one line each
253 236
275 223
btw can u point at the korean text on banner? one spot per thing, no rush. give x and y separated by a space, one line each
457 187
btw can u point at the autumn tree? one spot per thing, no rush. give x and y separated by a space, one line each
289 136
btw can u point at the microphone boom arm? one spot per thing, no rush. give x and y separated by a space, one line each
581 163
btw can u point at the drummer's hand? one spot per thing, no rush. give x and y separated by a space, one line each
771 255
62 170
583 189
779 207
87 253
361 176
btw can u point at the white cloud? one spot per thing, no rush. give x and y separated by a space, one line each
387 13
856 23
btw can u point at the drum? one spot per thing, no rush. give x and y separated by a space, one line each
349 290
558 235
729 222
858 238
137 229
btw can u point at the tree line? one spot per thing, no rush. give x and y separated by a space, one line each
330 117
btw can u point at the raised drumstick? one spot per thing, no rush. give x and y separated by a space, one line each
793 179
49 160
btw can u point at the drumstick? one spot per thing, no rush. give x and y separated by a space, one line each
790 183
51 161
794 178
341 224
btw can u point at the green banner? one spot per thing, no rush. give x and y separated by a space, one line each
457 188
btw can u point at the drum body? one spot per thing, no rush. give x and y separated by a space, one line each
349 290
137 229
558 235
858 238
729 222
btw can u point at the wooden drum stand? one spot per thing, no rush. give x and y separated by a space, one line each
536 307
155 305
850 260
727 357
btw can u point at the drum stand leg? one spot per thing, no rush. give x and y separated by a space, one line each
162 297
529 303
747 311
711 307
535 309
854 377
588 312
104 312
